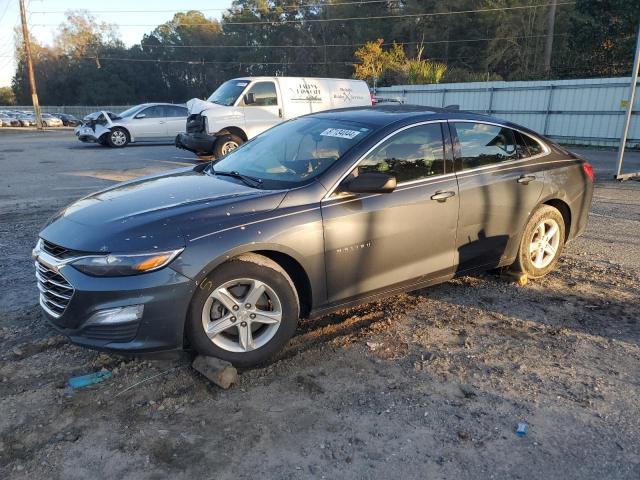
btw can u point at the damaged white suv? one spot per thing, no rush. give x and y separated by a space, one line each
149 122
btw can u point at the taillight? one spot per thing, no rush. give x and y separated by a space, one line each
588 169
373 99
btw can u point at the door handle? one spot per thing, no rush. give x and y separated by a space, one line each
526 179
161 123
441 196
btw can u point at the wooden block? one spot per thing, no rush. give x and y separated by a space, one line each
218 371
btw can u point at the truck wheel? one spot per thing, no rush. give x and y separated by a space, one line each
225 144
244 312
541 243
118 137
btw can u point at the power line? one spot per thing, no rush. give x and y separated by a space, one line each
205 62
230 9
316 20
336 45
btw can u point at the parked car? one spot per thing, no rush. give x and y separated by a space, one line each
49 120
68 120
25 120
149 122
8 121
317 214
242 108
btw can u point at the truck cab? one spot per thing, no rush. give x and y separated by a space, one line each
242 108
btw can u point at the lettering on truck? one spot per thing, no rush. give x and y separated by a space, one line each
306 92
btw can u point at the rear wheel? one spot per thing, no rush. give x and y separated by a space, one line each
244 312
542 242
118 137
225 144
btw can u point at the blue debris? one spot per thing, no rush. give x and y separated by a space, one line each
522 429
90 379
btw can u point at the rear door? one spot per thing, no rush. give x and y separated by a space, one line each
176 118
265 111
500 184
376 241
149 124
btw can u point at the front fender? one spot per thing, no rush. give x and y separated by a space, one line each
296 232
224 117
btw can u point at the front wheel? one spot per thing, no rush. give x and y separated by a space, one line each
244 312
118 138
542 242
225 144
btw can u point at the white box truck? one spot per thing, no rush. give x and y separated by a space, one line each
242 108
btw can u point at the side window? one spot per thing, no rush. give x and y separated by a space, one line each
265 94
484 144
153 112
532 145
172 111
412 154
521 146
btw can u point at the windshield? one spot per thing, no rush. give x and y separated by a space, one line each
294 152
129 111
227 93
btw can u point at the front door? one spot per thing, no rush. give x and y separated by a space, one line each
374 241
260 107
149 124
500 184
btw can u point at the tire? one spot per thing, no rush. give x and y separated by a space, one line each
103 140
537 262
225 144
233 281
118 137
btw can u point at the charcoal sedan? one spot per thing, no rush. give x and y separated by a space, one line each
316 214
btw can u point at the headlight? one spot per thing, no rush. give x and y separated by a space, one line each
117 265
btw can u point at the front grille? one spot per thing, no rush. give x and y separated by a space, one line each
59 252
114 333
55 291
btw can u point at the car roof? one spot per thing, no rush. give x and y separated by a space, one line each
383 115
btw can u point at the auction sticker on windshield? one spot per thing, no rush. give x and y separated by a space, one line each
340 133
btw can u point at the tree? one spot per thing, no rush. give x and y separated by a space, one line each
7 96
393 66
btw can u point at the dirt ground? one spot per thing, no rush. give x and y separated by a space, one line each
428 385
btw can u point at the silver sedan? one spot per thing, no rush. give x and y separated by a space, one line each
149 122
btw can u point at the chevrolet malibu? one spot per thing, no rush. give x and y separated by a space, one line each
316 214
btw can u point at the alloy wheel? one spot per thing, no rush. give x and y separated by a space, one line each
118 138
228 146
544 244
242 315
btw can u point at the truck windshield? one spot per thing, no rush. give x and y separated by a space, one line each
295 152
227 93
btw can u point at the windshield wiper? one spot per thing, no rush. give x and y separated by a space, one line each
251 181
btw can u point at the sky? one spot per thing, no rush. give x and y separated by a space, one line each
44 16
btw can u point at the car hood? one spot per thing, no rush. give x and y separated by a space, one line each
155 212
196 105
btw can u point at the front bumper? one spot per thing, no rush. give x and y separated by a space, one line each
198 143
165 295
85 134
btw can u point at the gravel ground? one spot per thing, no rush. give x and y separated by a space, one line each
429 384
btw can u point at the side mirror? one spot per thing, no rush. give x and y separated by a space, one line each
250 99
141 115
371 182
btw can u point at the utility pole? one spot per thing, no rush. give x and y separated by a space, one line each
627 119
32 78
551 25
